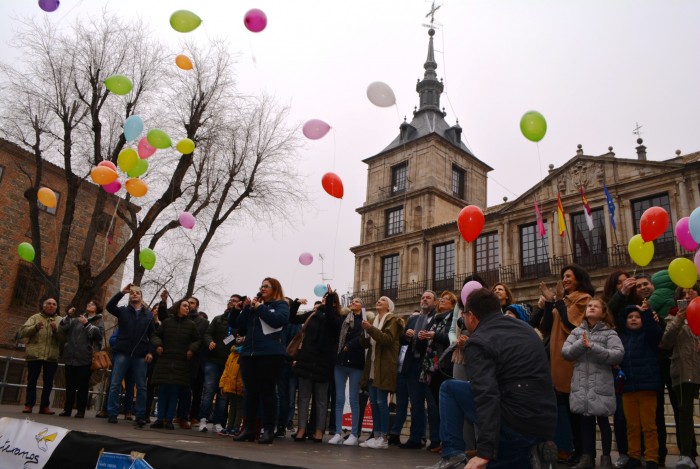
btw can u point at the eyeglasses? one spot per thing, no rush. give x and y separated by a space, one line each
265 286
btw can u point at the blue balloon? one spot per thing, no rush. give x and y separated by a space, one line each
320 289
694 225
133 126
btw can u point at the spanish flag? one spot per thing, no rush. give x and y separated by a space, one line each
560 216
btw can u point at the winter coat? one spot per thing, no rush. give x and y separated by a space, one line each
216 332
42 344
275 314
592 384
135 328
81 340
640 363
416 347
202 324
353 354
386 351
176 335
685 359
315 358
231 381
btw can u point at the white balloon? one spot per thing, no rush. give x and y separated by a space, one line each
380 94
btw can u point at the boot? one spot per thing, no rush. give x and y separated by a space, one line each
605 462
267 437
245 435
586 462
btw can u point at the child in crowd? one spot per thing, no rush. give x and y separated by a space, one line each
231 385
595 348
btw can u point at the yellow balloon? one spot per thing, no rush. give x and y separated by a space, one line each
47 197
136 187
127 159
640 252
683 272
185 146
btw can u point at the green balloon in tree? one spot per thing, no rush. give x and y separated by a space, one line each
533 126
139 169
26 251
158 139
118 84
147 258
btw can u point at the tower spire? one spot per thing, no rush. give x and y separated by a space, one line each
430 88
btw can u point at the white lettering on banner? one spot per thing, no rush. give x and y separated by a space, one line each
27 444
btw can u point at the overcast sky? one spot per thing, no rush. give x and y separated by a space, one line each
592 68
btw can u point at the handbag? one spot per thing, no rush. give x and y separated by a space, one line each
100 358
298 340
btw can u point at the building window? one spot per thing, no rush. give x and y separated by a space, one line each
443 266
487 257
457 181
664 245
394 221
590 247
533 252
390 276
399 178
28 286
103 225
46 209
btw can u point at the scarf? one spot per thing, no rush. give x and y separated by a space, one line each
347 325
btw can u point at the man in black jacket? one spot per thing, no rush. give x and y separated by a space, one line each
508 396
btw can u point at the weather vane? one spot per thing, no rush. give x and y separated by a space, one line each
431 14
637 128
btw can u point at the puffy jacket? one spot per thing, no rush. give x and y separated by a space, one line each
640 363
216 332
231 381
249 323
81 340
42 344
135 328
685 359
592 384
386 353
176 335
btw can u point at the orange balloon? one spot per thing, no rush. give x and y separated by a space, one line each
103 175
107 164
47 197
136 187
183 62
333 185
470 222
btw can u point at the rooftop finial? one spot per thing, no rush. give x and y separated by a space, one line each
637 130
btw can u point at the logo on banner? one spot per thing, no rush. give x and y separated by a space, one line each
42 439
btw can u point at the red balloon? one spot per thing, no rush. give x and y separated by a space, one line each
692 315
333 185
470 222
653 223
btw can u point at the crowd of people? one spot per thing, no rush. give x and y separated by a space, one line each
490 383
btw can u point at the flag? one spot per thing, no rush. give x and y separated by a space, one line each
611 206
541 230
587 210
560 216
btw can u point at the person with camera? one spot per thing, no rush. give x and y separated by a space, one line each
131 349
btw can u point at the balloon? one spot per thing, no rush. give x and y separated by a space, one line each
145 148
118 84
653 223
183 62
694 224
136 187
696 261
185 146
333 185
147 258
184 21
133 126
468 288
380 94
685 238
103 175
683 272
315 129
158 139
47 197
127 159
26 251
305 258
692 315
187 220
640 252
470 222
255 20
320 289
533 126
49 5
138 170
107 164
113 187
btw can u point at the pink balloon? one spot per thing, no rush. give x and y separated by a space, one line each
305 258
468 288
315 129
696 260
255 20
113 187
685 239
145 149
187 220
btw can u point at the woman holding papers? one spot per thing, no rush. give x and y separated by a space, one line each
261 323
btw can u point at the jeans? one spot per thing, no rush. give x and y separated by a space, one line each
379 400
212 375
419 393
456 404
401 404
343 374
77 385
167 401
120 366
34 368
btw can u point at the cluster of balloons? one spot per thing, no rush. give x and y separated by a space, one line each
470 222
533 126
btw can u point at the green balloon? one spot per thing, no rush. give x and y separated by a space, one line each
184 21
26 251
533 126
147 258
158 139
118 84
138 170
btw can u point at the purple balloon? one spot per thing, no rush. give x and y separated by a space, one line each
255 20
305 258
696 260
113 187
685 238
187 220
49 5
468 288
315 129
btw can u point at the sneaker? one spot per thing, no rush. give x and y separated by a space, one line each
336 440
203 425
684 462
351 441
452 462
379 443
112 419
224 432
621 460
367 443
218 428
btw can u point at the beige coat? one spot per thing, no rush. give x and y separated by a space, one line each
386 361
562 370
685 359
42 344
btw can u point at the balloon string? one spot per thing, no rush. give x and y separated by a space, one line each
109 229
398 115
334 147
335 241
252 52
